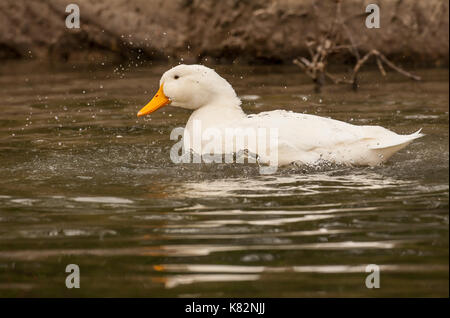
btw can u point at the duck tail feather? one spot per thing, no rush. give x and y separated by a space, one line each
401 140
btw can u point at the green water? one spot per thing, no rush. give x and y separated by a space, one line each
83 181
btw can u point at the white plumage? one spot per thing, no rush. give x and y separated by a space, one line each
301 138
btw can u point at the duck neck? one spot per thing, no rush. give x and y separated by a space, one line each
219 112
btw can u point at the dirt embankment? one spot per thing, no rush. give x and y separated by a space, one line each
247 30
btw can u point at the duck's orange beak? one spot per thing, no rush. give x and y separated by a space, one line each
158 101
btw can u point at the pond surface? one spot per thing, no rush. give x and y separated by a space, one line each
83 181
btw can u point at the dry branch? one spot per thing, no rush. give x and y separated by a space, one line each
323 46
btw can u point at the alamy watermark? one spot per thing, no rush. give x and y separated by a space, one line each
73 19
373 19
73 279
226 145
373 279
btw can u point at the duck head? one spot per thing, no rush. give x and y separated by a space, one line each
190 87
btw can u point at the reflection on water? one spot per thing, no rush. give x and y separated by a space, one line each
285 185
83 181
249 273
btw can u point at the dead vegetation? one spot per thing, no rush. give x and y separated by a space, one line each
338 40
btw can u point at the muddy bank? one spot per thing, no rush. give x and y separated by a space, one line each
228 30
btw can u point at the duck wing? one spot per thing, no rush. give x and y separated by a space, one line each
309 138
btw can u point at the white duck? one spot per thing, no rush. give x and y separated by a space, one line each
300 138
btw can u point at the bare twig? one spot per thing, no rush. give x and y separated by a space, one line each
398 69
380 58
320 49
380 66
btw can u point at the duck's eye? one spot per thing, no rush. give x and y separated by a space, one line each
176 77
